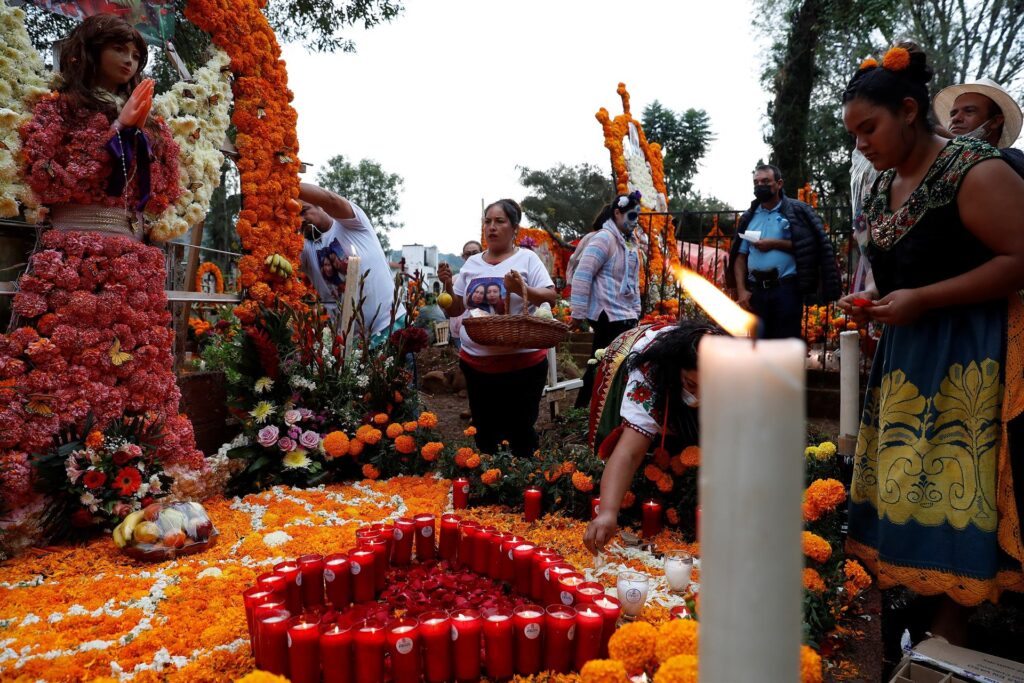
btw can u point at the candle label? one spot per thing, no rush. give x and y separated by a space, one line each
566 598
572 631
510 554
427 531
356 567
398 534
298 579
633 595
597 509
328 575
547 574
289 635
465 488
532 631
404 646
455 633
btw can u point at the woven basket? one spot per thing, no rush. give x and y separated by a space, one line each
516 331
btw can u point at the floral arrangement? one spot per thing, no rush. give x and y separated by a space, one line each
819 325
209 268
98 479
22 84
197 114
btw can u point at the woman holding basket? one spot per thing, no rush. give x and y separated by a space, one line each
504 383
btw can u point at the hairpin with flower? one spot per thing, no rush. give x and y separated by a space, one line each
896 59
623 200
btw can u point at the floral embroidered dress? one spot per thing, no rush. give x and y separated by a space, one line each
92 333
931 503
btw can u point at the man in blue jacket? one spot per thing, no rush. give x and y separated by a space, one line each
781 255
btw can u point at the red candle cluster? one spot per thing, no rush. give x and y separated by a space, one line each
471 606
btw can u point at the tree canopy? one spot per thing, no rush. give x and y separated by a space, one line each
684 138
371 187
565 199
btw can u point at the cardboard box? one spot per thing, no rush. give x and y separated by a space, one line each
936 656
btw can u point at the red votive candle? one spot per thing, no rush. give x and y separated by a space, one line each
589 625
269 607
498 640
274 583
311 578
587 592
405 529
467 532
253 598
365 533
595 507
466 628
651 518
611 608
460 493
336 653
272 640
506 570
528 622
368 644
435 630
361 565
559 631
424 537
338 581
379 547
404 646
482 549
541 572
448 543
494 560
568 584
522 567
290 571
388 534
304 650
552 586
531 504
679 612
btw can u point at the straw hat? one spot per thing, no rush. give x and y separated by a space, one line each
1012 117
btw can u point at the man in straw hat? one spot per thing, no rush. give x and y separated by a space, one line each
984 110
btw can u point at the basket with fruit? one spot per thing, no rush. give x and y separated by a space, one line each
165 531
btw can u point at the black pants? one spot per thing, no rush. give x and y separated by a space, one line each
505 405
605 332
780 308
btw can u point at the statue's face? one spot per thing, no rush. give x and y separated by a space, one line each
118 64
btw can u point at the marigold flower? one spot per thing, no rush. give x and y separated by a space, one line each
490 477
355 447
822 497
469 431
582 482
336 444
410 426
672 515
896 59
568 467
857 579
810 665
813 581
826 449
94 440
628 499
261 677
405 444
394 430
427 420
462 456
653 472
812 453
691 456
664 483
368 435
677 466
603 671
661 458
473 461
370 472
676 637
678 669
380 418
816 547
633 645
868 63
431 450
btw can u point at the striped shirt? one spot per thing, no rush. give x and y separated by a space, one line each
607 278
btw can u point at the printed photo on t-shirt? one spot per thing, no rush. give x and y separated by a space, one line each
486 294
333 264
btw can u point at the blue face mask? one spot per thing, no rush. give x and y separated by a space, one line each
689 399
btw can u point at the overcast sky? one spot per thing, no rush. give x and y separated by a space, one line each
453 95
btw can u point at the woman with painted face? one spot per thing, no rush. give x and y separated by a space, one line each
504 384
606 279
932 504
646 395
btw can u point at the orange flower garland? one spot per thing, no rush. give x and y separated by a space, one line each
209 267
267 144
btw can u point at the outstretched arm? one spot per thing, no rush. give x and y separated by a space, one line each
334 204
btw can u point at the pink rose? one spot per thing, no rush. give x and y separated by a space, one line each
291 417
267 436
309 440
286 444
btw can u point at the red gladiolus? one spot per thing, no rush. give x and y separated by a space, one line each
93 479
127 481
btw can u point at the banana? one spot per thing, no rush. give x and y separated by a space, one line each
119 535
129 524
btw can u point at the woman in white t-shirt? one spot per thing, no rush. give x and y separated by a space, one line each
504 383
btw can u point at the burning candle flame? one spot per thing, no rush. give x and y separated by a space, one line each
724 310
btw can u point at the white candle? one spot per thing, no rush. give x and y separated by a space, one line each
849 389
678 571
632 589
349 301
752 432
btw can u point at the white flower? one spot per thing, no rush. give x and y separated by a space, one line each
142 490
296 460
276 538
90 501
263 384
362 381
154 483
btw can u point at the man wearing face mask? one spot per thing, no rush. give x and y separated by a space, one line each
985 111
606 280
785 257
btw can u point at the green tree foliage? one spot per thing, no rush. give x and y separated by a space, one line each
565 199
371 187
684 138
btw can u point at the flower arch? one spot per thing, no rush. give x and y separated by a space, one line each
268 149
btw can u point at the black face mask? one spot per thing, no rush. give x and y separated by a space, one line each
764 193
